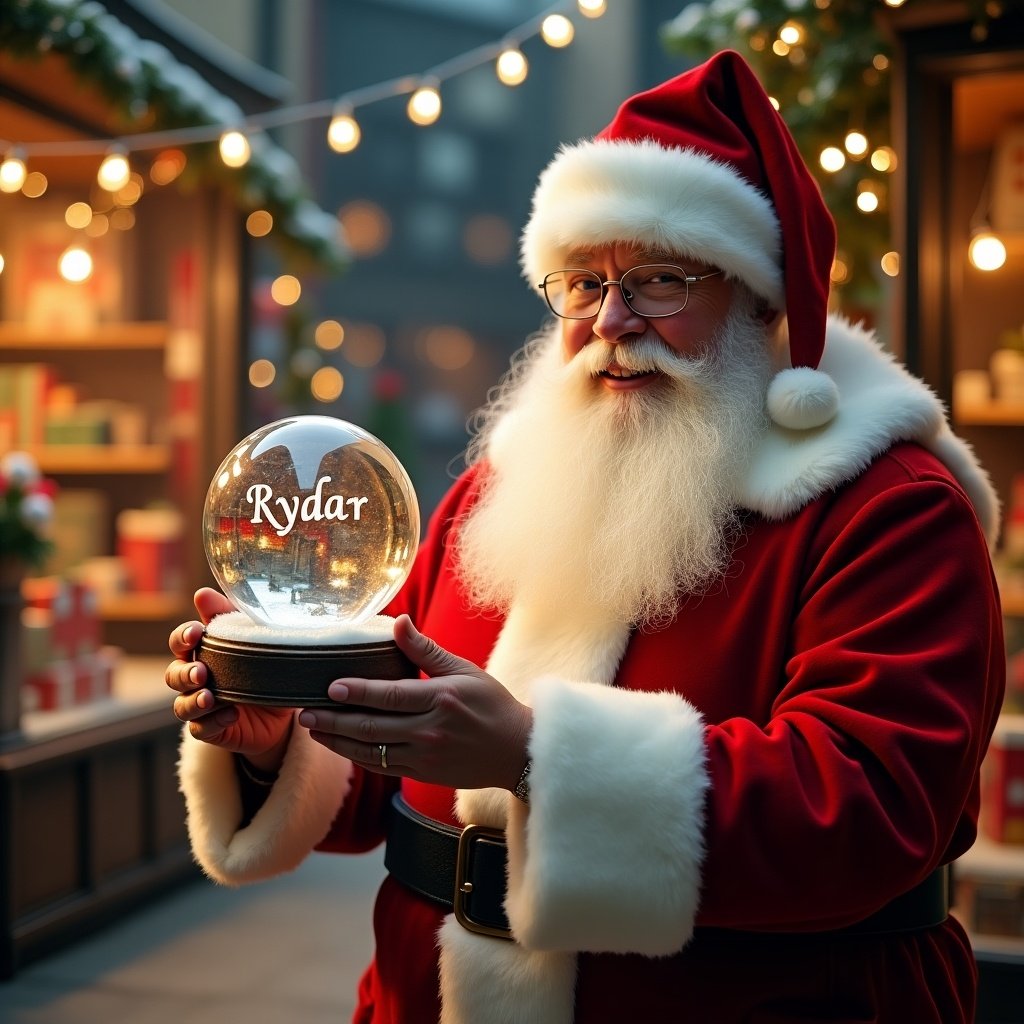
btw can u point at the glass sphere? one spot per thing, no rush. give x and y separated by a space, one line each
311 522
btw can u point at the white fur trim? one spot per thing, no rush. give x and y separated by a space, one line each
802 398
880 404
303 802
488 981
609 857
603 191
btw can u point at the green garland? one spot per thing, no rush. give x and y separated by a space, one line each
146 85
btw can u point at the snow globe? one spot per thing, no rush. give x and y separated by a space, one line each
310 527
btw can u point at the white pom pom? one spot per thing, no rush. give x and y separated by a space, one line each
802 398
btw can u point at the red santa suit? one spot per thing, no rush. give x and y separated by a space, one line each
714 802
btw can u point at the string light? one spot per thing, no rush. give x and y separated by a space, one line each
343 133
792 33
78 215
114 172
832 159
424 105
12 172
884 159
557 30
35 185
867 197
986 251
235 149
592 8
856 143
512 67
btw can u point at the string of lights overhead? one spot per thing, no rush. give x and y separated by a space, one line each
236 141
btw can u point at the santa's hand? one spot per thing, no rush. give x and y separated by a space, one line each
259 733
460 727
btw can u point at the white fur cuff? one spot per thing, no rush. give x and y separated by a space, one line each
303 802
608 858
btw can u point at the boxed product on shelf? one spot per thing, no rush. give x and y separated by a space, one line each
1002 782
150 542
81 528
24 393
73 612
991 906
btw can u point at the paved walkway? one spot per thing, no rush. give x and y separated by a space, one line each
288 951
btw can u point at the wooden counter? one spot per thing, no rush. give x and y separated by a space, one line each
91 821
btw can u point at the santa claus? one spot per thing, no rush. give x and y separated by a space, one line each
709 642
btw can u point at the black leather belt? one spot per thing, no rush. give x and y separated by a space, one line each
464 871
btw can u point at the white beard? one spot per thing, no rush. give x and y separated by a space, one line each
624 501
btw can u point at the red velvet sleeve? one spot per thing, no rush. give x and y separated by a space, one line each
866 775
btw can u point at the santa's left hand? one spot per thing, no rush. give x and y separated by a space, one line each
459 727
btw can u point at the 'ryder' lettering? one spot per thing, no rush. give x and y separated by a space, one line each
310 509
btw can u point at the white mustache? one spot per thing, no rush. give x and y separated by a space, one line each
644 355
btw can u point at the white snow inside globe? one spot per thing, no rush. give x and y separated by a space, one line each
310 526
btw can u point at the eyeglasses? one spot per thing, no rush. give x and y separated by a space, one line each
651 290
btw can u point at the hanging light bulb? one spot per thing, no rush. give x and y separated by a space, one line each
856 143
424 105
557 30
343 133
832 159
75 264
13 172
114 172
234 148
986 251
512 66
592 8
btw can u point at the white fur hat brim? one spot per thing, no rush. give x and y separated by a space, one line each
671 200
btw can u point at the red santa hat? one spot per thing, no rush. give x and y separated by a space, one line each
703 165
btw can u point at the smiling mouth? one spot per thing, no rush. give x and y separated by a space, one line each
615 372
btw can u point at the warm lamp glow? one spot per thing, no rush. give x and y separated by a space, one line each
891 264
114 172
557 30
75 264
35 184
262 373
235 149
986 251
832 159
424 105
792 33
285 290
329 334
259 223
512 67
12 174
884 159
856 143
327 384
78 215
343 133
592 8
867 198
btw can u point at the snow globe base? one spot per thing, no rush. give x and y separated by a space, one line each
248 664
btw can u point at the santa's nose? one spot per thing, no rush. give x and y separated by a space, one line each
615 321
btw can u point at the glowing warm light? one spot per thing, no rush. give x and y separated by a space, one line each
261 373
884 159
122 219
856 143
832 159
326 384
424 105
880 62
780 48
2 264
343 133
75 264
364 345
986 251
867 198
891 264
259 223
131 193
35 184
98 226
366 225
840 270
592 8
285 290
329 334
512 67
114 172
12 174
774 102
234 149
557 30
167 166
78 215
895 3
792 33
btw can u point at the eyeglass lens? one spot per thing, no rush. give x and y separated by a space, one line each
657 290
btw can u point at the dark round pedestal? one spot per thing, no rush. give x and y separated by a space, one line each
278 675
